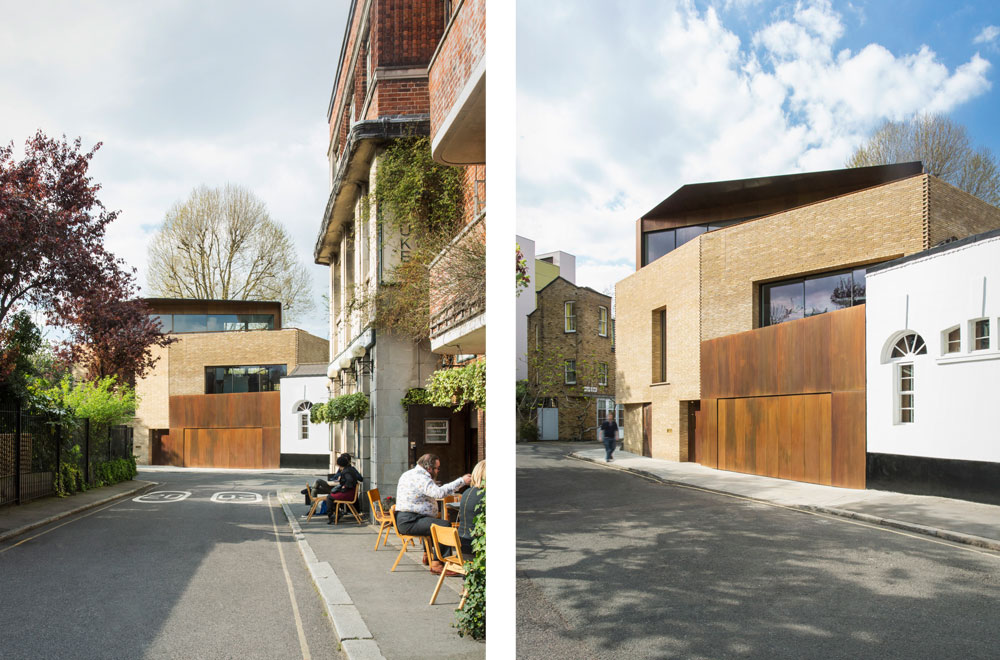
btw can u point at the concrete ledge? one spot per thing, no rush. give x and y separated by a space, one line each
947 535
348 625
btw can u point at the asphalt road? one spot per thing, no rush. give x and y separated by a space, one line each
166 577
612 565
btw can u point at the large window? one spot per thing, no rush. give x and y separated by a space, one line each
902 353
905 390
655 244
180 323
570 316
229 380
808 296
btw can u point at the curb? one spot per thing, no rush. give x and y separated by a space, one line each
351 630
146 485
944 534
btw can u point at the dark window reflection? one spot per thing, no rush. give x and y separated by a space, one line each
190 322
685 234
658 243
783 302
809 296
257 378
213 322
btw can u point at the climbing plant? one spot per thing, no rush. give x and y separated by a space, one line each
472 617
459 386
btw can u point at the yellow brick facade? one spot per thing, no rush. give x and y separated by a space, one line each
181 369
710 286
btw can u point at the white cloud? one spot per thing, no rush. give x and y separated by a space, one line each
988 35
680 98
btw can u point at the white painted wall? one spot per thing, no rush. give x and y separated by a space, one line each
293 392
956 411
525 306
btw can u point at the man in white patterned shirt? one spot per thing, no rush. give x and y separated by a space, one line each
416 508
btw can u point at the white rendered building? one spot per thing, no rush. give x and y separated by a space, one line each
302 442
933 356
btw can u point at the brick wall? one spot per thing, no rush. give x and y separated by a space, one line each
182 369
671 283
954 212
459 54
585 345
861 228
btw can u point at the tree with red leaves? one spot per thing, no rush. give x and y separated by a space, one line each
52 259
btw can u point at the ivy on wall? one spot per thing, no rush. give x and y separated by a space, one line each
458 386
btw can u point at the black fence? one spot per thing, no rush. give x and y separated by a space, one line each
32 448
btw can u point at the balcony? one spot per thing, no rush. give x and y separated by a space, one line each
458 293
457 79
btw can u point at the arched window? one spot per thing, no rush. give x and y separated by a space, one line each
901 353
303 412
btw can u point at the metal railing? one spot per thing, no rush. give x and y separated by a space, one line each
33 447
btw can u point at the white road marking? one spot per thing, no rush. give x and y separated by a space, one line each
291 590
161 496
237 497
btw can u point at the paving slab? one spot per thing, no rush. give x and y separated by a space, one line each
393 606
960 521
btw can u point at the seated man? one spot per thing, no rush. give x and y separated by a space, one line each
347 479
416 509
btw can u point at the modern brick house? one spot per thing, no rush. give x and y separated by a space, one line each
222 373
406 69
724 320
571 358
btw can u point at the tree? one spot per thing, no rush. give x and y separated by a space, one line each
52 259
221 243
944 148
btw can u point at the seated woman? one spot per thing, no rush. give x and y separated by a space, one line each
467 508
346 480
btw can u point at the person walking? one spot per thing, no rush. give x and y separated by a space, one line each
609 431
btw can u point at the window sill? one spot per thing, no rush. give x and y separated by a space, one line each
970 357
658 384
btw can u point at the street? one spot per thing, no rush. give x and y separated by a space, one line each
202 566
611 564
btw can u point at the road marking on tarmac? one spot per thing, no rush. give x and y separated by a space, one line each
161 496
303 644
237 497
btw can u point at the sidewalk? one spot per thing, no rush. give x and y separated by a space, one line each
375 613
16 519
954 520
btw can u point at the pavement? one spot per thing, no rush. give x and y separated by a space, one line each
953 520
375 613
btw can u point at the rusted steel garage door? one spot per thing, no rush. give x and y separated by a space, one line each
224 448
787 401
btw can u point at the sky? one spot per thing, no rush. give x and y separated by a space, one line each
182 94
620 104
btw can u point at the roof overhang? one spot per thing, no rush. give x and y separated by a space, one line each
699 196
353 170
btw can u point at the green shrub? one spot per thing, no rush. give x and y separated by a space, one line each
115 471
472 617
528 431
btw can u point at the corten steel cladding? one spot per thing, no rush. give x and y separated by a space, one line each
788 401
224 430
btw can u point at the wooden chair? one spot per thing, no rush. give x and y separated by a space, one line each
405 539
314 501
380 516
349 504
448 536
445 501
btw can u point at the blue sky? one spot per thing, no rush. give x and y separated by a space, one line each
182 94
620 104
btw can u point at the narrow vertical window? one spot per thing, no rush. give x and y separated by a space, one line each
602 321
570 372
953 340
906 394
570 314
538 336
658 350
602 373
303 412
981 334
